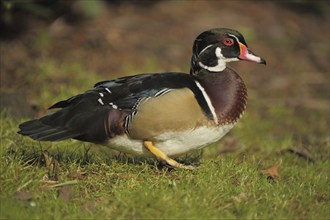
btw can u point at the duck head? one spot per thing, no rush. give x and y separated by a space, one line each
214 48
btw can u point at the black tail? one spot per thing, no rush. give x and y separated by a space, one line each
94 126
42 132
81 118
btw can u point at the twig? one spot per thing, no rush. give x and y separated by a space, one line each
61 184
24 185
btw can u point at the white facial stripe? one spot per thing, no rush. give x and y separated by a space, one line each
218 53
221 62
234 37
208 101
205 49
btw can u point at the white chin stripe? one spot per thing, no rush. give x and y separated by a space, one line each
217 68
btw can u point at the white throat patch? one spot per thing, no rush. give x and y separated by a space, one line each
221 61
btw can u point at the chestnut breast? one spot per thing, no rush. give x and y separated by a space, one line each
227 93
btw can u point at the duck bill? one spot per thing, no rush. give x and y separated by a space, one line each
246 54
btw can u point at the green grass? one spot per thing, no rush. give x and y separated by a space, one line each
75 180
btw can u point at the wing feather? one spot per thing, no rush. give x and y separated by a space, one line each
101 113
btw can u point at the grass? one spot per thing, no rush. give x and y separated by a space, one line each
74 180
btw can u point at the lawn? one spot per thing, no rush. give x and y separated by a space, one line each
274 164
259 170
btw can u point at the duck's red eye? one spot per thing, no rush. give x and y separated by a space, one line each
228 41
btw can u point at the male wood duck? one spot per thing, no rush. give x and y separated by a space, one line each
161 115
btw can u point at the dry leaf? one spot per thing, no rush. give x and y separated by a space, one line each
272 172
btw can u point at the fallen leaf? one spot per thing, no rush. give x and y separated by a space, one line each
272 172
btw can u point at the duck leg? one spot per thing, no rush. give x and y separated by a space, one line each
163 157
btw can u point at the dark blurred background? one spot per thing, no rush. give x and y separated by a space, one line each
114 38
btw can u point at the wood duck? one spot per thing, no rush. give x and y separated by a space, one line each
163 114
